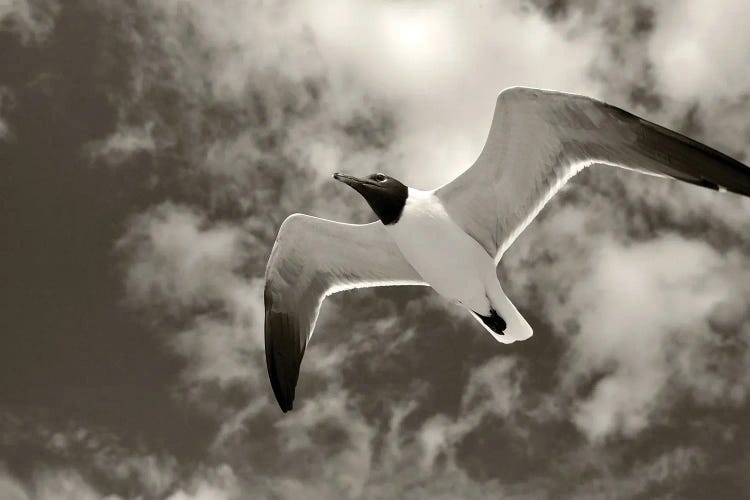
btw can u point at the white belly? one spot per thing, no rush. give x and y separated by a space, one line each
452 262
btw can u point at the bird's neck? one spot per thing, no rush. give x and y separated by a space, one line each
423 204
389 204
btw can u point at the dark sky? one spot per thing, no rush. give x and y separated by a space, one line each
70 347
149 153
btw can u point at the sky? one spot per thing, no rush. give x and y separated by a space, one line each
150 150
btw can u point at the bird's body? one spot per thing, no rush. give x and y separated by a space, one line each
448 259
453 263
453 237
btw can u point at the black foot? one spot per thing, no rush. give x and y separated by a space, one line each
494 321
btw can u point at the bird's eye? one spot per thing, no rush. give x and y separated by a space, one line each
380 177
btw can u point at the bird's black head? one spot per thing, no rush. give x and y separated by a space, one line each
386 195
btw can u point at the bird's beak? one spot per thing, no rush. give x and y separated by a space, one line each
348 179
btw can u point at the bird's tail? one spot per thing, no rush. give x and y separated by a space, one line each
517 328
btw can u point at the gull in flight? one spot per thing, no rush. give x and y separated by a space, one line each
453 237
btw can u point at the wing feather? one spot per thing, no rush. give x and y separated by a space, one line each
313 258
539 139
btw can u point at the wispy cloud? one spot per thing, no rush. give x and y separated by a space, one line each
82 462
219 483
32 21
10 487
320 75
6 104
124 143
186 267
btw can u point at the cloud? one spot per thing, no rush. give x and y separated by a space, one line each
219 483
48 483
31 21
638 322
664 60
80 459
4 130
646 477
493 390
440 83
10 487
181 261
412 463
331 92
124 143
632 303
7 102
336 440
692 63
186 266
64 484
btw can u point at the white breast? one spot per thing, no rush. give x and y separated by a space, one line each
452 262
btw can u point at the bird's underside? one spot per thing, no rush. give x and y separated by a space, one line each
537 141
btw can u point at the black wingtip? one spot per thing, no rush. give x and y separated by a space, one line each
283 356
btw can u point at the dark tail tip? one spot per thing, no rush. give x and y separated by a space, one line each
496 323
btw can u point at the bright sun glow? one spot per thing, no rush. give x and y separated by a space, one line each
414 35
411 34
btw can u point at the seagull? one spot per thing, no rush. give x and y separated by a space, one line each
452 238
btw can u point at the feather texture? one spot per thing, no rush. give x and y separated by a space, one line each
539 139
313 258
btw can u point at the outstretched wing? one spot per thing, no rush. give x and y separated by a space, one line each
539 139
313 258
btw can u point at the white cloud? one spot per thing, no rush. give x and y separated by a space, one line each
4 129
180 260
700 49
74 455
50 484
436 69
493 389
409 463
84 450
440 67
670 467
56 483
343 467
10 487
678 63
123 143
6 102
62 484
219 483
698 52
635 310
191 267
